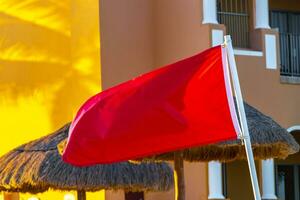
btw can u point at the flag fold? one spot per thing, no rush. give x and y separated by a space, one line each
182 105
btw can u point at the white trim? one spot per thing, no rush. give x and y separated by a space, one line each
271 56
262 14
294 128
215 188
240 52
268 179
209 12
217 37
230 100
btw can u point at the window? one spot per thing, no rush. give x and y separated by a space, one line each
287 185
134 196
234 14
289 37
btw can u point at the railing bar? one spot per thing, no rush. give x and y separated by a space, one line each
287 54
296 55
289 65
237 32
244 35
247 32
294 58
242 8
239 29
232 13
283 53
229 24
292 55
282 59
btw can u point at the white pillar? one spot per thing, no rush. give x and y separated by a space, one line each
262 14
268 179
209 12
215 188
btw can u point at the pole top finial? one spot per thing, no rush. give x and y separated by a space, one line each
227 39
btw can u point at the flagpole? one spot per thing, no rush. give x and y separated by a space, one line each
243 120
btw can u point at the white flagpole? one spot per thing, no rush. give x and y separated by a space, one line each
242 115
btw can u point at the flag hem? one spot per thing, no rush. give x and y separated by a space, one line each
229 93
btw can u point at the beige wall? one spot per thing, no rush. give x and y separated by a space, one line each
178 30
169 195
262 89
196 181
238 181
137 36
114 195
127 44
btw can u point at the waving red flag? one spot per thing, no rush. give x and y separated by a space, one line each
185 104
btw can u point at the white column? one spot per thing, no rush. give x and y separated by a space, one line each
262 14
268 179
215 189
209 12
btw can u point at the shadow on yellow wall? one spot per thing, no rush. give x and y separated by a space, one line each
49 65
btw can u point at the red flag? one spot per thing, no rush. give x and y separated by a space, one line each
185 104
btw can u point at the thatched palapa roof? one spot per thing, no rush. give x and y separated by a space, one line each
37 166
269 140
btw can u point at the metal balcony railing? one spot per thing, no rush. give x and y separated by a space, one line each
234 15
290 54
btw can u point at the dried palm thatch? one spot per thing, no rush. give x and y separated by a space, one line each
37 166
269 140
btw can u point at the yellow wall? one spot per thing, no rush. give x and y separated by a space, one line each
56 195
49 64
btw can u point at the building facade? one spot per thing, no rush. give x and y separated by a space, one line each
139 36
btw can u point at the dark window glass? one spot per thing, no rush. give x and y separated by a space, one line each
285 182
134 196
288 25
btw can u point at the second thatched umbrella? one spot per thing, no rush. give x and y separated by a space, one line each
37 166
269 140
